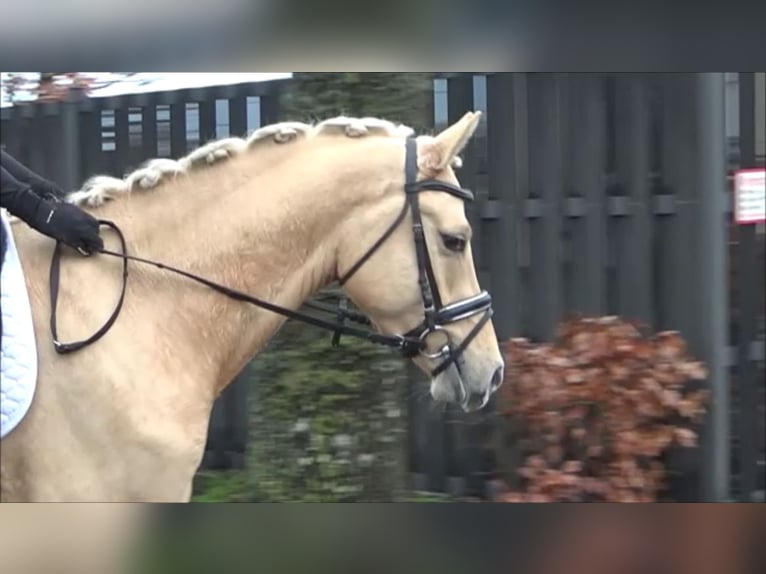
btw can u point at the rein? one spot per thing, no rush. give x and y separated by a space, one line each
408 345
412 343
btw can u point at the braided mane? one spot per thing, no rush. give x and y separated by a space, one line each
153 173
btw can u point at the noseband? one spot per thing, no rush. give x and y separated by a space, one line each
437 315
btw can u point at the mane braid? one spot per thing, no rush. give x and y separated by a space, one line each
152 174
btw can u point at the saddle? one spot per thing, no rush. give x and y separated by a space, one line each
18 362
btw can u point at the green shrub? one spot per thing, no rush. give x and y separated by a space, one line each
326 424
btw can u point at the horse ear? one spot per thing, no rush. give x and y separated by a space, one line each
440 151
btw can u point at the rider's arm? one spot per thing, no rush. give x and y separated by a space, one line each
17 197
39 185
62 221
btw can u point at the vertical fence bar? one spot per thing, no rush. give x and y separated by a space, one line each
207 119
521 184
419 442
543 205
90 137
47 127
215 457
634 284
270 108
573 208
235 428
501 228
711 257
677 224
122 139
149 147
39 135
747 317
677 211
587 208
238 116
177 129
433 449
71 175
135 134
108 124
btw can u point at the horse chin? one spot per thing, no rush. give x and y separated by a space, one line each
447 387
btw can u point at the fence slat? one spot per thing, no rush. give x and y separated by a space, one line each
149 147
40 130
122 141
177 130
238 116
270 112
501 233
206 121
634 234
90 139
417 427
235 412
749 275
710 306
546 187
675 245
587 153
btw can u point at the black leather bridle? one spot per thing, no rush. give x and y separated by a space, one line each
436 314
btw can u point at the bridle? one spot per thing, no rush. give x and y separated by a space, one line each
437 315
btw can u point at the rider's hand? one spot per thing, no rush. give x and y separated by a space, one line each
69 224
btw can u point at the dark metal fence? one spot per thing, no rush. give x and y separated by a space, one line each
597 194
608 195
748 309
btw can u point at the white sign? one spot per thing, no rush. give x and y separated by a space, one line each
750 196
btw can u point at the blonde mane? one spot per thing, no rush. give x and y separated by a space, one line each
101 188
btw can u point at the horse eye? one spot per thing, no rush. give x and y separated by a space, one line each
455 243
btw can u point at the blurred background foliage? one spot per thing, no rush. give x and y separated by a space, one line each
400 97
327 425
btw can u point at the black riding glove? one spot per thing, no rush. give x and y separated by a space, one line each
62 221
71 225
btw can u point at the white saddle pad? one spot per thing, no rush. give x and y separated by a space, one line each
18 367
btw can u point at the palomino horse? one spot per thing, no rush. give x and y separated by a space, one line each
278 216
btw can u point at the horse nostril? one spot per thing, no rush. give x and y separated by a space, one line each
497 379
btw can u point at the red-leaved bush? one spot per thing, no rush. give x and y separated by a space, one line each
594 412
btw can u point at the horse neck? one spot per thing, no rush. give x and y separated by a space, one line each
270 234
